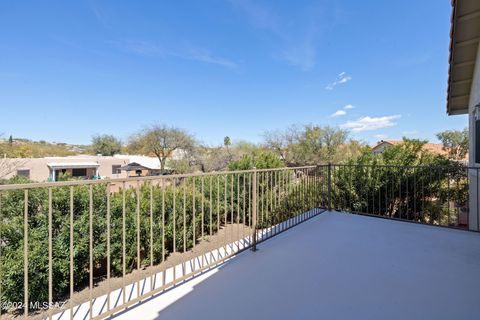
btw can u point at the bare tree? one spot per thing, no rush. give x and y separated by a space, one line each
455 142
162 141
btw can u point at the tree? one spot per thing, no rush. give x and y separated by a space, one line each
161 141
227 141
107 145
10 140
455 142
311 144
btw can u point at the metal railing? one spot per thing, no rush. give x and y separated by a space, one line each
436 195
89 249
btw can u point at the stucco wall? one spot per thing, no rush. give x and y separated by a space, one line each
474 100
40 172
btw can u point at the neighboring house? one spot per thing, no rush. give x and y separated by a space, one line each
140 165
463 95
436 148
82 167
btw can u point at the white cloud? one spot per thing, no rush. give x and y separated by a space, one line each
152 49
138 47
205 56
349 106
370 123
342 78
338 113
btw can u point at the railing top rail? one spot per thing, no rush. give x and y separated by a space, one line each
134 179
400 166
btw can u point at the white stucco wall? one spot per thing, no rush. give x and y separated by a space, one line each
40 172
474 100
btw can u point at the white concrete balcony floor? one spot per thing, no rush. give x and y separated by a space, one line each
336 266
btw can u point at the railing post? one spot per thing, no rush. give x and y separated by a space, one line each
329 181
254 210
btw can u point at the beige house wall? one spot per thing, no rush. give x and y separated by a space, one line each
474 100
40 172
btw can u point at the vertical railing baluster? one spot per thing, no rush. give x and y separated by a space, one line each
151 235
25 249
244 203
138 236
108 242
261 181
163 220
174 187
124 244
237 220
211 205
50 249
194 212
203 207
71 253
218 212
254 210
448 196
184 216
90 214
218 202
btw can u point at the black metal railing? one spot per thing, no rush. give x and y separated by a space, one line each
436 195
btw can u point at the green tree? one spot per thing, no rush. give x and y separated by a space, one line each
311 144
107 145
162 141
263 160
227 142
455 142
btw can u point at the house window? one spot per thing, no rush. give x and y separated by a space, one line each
79 172
23 173
116 169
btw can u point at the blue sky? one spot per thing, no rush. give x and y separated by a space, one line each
72 69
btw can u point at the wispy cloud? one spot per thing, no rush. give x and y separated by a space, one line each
349 106
259 15
206 56
342 78
139 47
338 113
302 56
298 46
370 123
98 13
153 49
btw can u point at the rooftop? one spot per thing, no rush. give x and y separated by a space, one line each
337 266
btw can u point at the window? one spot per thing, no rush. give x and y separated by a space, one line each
79 172
116 169
23 173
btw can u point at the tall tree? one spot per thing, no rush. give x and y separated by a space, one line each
107 145
161 141
309 144
455 142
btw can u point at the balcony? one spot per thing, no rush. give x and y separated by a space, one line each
337 266
176 246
